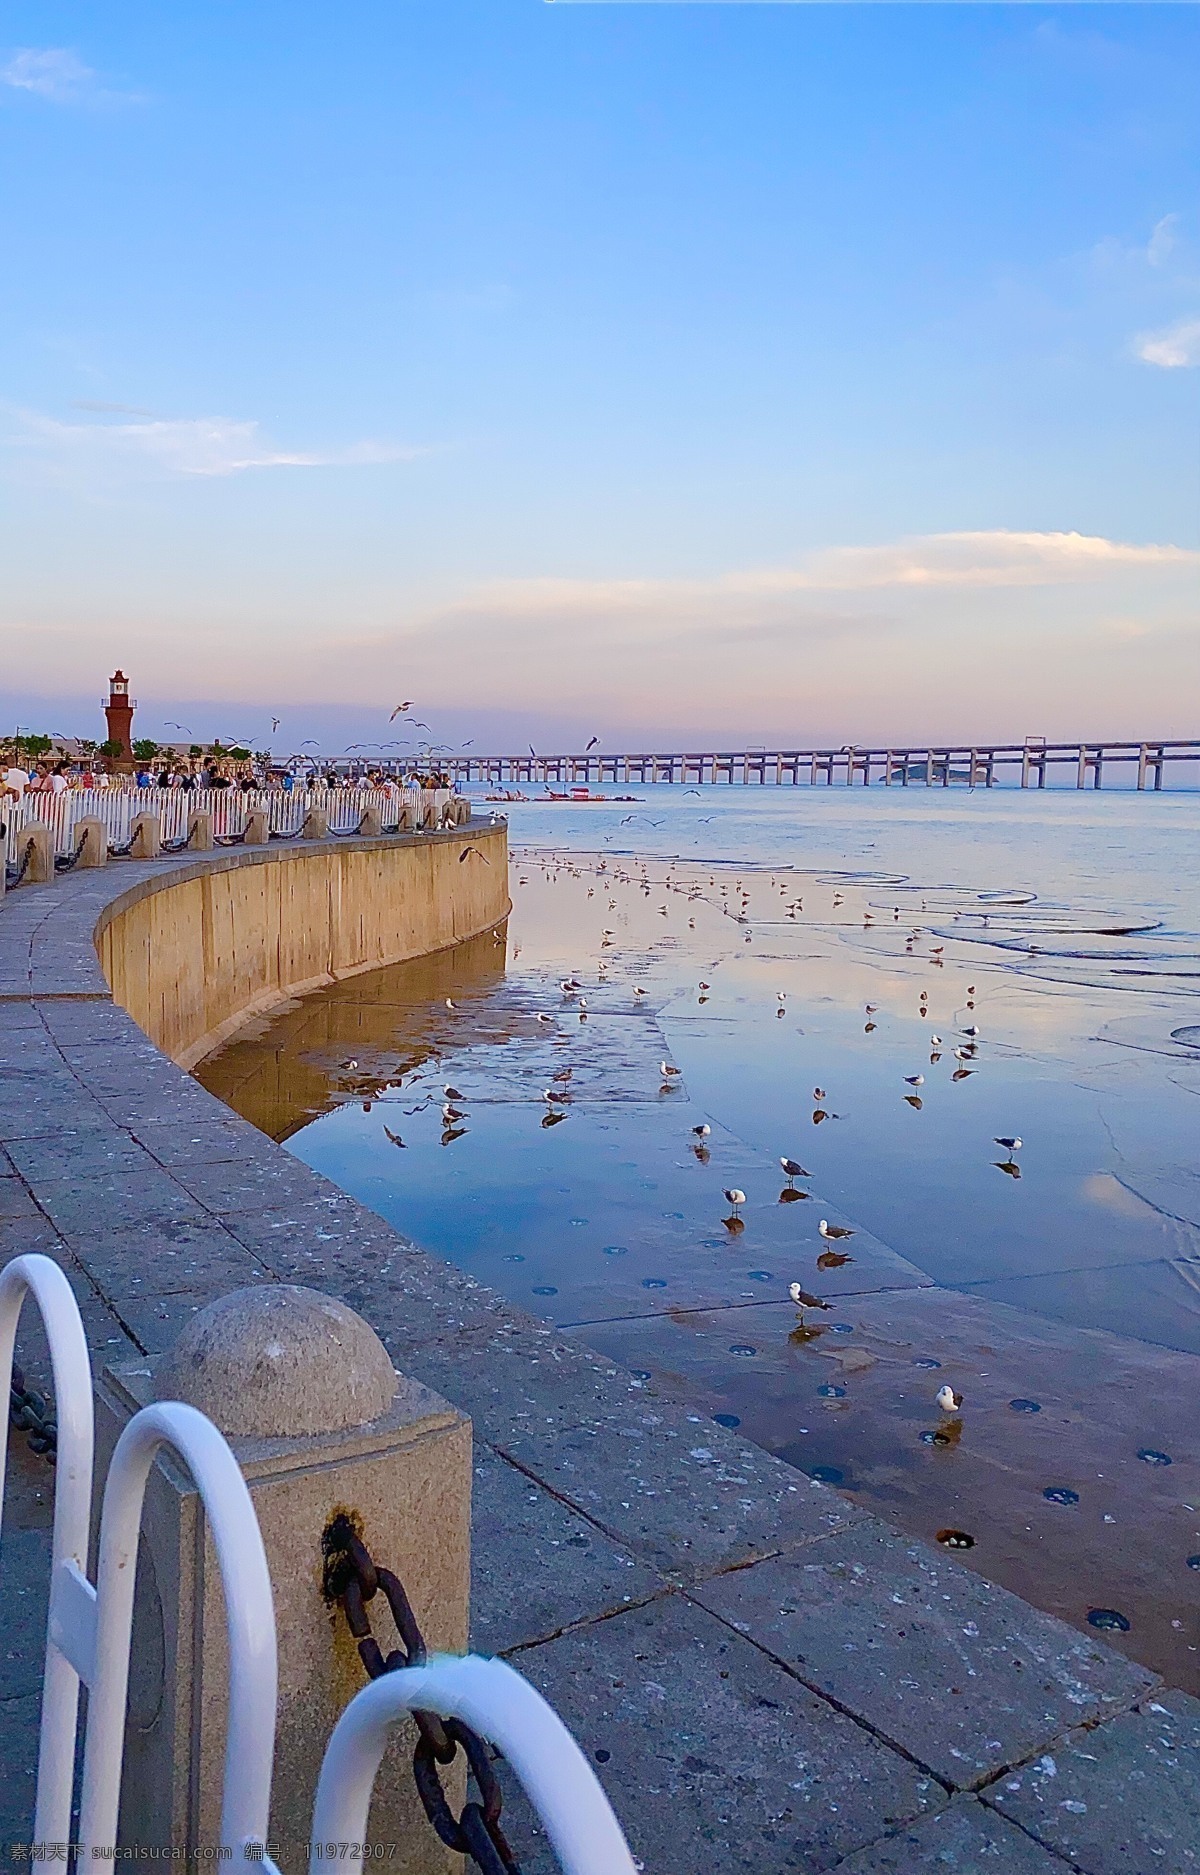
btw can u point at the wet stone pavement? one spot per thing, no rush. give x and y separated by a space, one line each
765 1674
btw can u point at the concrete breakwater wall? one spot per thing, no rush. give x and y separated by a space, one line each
195 949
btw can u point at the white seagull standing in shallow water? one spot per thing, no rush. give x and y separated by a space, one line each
734 1197
948 1400
804 1300
1010 1145
833 1231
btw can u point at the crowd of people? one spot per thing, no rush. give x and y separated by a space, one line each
56 777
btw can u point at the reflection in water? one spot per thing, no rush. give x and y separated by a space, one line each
521 1121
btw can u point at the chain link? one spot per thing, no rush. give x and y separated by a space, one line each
29 1411
352 1579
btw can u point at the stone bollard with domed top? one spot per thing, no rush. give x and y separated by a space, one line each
323 1429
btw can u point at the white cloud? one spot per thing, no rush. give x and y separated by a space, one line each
994 558
196 446
54 72
1173 347
1162 240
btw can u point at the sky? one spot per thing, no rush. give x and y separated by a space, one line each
684 375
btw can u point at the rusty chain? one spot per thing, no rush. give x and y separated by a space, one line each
31 1412
352 1579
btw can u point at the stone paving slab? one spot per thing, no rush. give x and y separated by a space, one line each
964 1839
953 1670
1120 1799
162 1257
536 1567
18 1727
55 1158
513 1377
195 1140
16 1202
686 1495
101 1194
713 1757
249 1183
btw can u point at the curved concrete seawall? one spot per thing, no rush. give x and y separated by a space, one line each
195 949
765 1674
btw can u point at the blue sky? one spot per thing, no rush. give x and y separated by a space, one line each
666 372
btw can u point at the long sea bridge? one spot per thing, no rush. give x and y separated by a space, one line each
1034 763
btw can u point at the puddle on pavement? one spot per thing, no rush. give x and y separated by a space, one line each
532 1134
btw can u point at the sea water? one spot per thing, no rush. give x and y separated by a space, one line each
793 954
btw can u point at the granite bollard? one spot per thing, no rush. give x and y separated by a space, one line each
316 825
323 1429
200 831
36 840
145 836
91 842
258 827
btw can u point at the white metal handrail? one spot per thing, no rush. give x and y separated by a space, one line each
249 1614
497 1702
39 1276
90 1628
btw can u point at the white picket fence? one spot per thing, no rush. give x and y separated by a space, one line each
229 807
90 1627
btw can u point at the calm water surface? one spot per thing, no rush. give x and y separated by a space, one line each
803 957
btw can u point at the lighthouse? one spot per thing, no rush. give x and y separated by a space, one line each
119 708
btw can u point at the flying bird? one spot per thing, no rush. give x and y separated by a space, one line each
394 1137
467 852
399 710
592 743
834 1231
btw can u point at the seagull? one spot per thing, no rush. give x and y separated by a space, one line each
703 1130
394 1137
451 1114
399 710
551 1094
592 743
352 1065
948 1400
935 1041
972 1030
1010 1145
544 1018
794 1169
804 1300
781 996
451 1093
639 991
734 1197
450 1003
915 1080
467 852
667 1071
964 1054
833 1231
